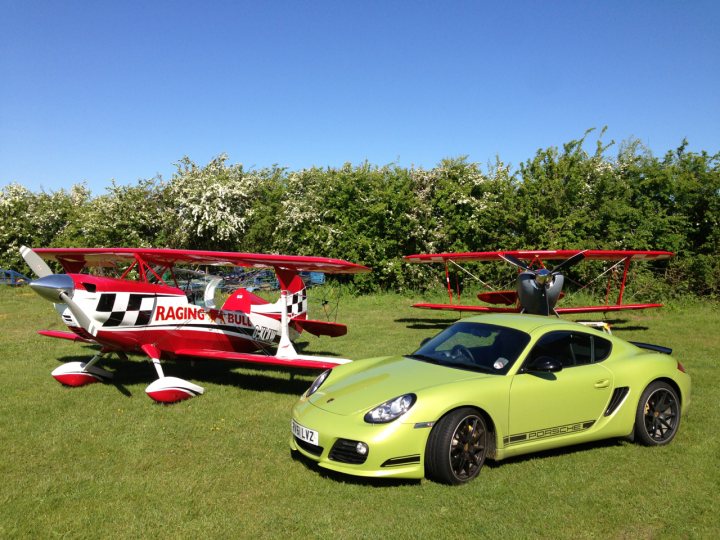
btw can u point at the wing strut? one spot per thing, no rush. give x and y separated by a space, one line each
624 279
447 280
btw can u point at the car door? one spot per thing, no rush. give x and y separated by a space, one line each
545 404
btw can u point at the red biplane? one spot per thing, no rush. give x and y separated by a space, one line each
147 310
538 288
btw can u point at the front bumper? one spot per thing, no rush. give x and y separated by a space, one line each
395 450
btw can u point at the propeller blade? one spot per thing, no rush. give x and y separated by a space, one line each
571 261
514 261
35 262
78 313
57 288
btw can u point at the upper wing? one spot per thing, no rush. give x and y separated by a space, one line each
73 259
543 255
299 361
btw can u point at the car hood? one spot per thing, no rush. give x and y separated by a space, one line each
381 379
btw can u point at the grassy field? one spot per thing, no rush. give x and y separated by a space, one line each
104 461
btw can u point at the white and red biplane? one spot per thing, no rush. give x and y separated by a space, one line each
145 310
538 288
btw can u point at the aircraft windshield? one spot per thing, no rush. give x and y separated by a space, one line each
475 346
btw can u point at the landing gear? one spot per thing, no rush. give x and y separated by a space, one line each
82 373
168 389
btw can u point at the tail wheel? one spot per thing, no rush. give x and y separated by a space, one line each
658 415
457 447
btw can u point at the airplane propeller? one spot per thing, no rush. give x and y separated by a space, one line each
57 288
35 262
540 288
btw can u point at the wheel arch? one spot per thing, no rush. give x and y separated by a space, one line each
489 425
672 384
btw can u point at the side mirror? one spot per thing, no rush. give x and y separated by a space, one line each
424 341
546 364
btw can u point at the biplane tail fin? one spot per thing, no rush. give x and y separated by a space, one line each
296 298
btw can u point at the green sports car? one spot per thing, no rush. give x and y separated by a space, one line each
491 386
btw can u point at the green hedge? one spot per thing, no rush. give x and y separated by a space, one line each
559 199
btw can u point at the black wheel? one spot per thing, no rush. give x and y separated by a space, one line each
456 448
658 415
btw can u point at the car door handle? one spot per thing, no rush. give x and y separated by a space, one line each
603 383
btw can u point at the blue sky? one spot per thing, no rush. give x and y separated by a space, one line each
94 91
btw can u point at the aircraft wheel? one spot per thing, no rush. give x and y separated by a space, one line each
457 447
658 415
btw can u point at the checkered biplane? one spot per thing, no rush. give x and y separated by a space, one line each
161 303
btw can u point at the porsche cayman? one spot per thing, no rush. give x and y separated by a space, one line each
488 387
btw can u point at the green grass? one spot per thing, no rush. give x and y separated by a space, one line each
105 461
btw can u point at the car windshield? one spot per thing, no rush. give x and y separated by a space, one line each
475 346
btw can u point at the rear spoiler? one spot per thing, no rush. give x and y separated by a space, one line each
656 348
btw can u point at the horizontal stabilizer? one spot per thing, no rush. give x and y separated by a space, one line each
296 361
321 328
507 298
63 335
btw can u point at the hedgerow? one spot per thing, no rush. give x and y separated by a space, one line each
558 199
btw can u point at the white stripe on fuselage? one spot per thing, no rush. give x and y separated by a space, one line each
174 312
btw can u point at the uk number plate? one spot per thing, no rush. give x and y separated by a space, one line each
305 434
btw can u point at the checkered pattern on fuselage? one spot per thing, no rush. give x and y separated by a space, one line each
126 309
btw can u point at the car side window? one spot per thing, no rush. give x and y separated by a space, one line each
571 348
581 345
602 348
556 345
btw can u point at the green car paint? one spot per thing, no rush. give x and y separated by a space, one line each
523 410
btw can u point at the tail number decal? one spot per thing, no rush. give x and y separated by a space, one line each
262 333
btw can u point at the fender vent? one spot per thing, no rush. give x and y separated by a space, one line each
616 399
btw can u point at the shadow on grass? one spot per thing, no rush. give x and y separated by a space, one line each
557 452
254 377
349 479
393 482
426 324
616 329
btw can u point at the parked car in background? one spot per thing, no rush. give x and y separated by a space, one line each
13 278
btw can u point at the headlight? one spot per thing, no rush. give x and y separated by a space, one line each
390 410
317 383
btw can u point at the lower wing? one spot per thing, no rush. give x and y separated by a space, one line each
299 361
600 309
64 335
560 310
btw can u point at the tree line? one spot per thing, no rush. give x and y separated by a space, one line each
561 198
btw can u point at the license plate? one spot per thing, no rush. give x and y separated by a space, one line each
305 434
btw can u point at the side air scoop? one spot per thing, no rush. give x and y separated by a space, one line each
53 286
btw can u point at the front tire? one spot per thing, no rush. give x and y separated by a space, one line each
658 415
457 447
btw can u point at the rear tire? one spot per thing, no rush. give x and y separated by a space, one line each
658 415
457 447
